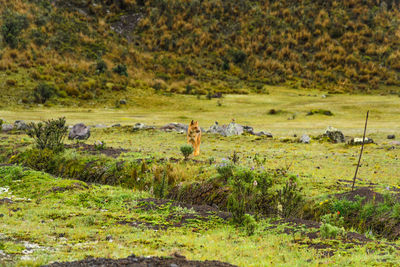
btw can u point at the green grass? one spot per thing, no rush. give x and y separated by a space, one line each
77 223
318 163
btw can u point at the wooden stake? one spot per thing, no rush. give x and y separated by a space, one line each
361 152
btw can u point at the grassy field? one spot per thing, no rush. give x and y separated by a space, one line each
80 220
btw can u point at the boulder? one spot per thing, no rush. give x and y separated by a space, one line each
116 125
334 135
174 126
359 141
248 129
142 126
7 127
391 136
100 126
79 131
20 125
305 139
122 102
216 129
233 129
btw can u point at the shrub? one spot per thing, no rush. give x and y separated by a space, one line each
49 135
238 56
330 231
13 25
101 67
43 92
37 159
186 150
160 186
290 199
121 69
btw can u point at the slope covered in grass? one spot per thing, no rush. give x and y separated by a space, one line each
105 50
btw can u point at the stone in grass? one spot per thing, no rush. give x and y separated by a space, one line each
359 141
141 126
391 136
80 132
174 126
263 133
305 139
20 125
334 135
7 127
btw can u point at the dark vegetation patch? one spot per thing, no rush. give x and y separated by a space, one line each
134 261
75 186
180 213
320 111
93 150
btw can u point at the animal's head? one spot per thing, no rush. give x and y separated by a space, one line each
194 125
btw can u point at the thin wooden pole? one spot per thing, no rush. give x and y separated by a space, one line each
361 152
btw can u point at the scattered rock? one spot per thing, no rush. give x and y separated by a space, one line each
305 139
174 126
122 102
79 131
395 143
248 129
391 136
7 127
20 125
266 134
141 126
359 141
323 96
334 135
116 125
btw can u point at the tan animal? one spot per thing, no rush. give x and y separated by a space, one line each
194 136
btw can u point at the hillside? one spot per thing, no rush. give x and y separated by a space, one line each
93 50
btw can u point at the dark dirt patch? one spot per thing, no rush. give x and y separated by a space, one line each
304 227
91 149
176 219
134 261
366 192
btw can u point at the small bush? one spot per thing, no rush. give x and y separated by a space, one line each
186 150
13 25
43 92
49 135
121 69
290 199
101 67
